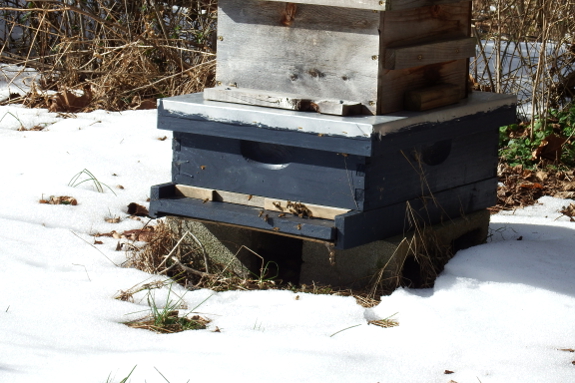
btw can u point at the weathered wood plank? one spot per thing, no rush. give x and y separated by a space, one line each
270 204
429 53
232 214
432 97
315 211
282 101
421 26
256 97
378 5
327 52
399 82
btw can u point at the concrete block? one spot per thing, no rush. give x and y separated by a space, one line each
249 253
412 259
222 245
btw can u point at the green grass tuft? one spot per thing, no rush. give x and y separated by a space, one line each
76 181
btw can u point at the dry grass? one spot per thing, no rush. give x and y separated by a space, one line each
116 55
183 259
417 261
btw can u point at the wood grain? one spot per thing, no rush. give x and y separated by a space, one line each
282 101
432 97
326 53
429 53
385 5
419 26
278 205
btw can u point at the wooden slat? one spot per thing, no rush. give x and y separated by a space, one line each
421 26
233 214
378 5
317 211
282 101
430 53
272 204
425 25
256 97
432 97
208 194
405 80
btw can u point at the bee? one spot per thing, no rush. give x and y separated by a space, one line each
281 215
297 297
265 218
298 226
205 200
278 205
261 213
250 197
203 167
276 228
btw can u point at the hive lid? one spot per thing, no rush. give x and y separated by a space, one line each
195 106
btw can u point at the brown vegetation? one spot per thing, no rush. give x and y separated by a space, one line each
104 54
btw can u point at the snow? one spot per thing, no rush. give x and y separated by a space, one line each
500 312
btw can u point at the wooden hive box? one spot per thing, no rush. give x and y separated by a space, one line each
244 165
343 56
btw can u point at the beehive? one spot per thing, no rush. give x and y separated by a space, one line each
343 56
243 165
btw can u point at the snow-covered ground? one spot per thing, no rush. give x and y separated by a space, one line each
500 312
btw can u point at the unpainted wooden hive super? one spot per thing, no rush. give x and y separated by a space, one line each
343 56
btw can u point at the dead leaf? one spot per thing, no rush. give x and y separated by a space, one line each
61 200
98 243
139 104
541 175
112 219
534 185
139 210
567 349
447 372
569 211
143 235
147 104
68 101
551 148
109 234
35 128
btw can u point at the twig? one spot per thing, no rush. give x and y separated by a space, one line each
75 264
100 251
347 328
203 251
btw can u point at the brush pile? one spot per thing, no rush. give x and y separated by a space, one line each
105 54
